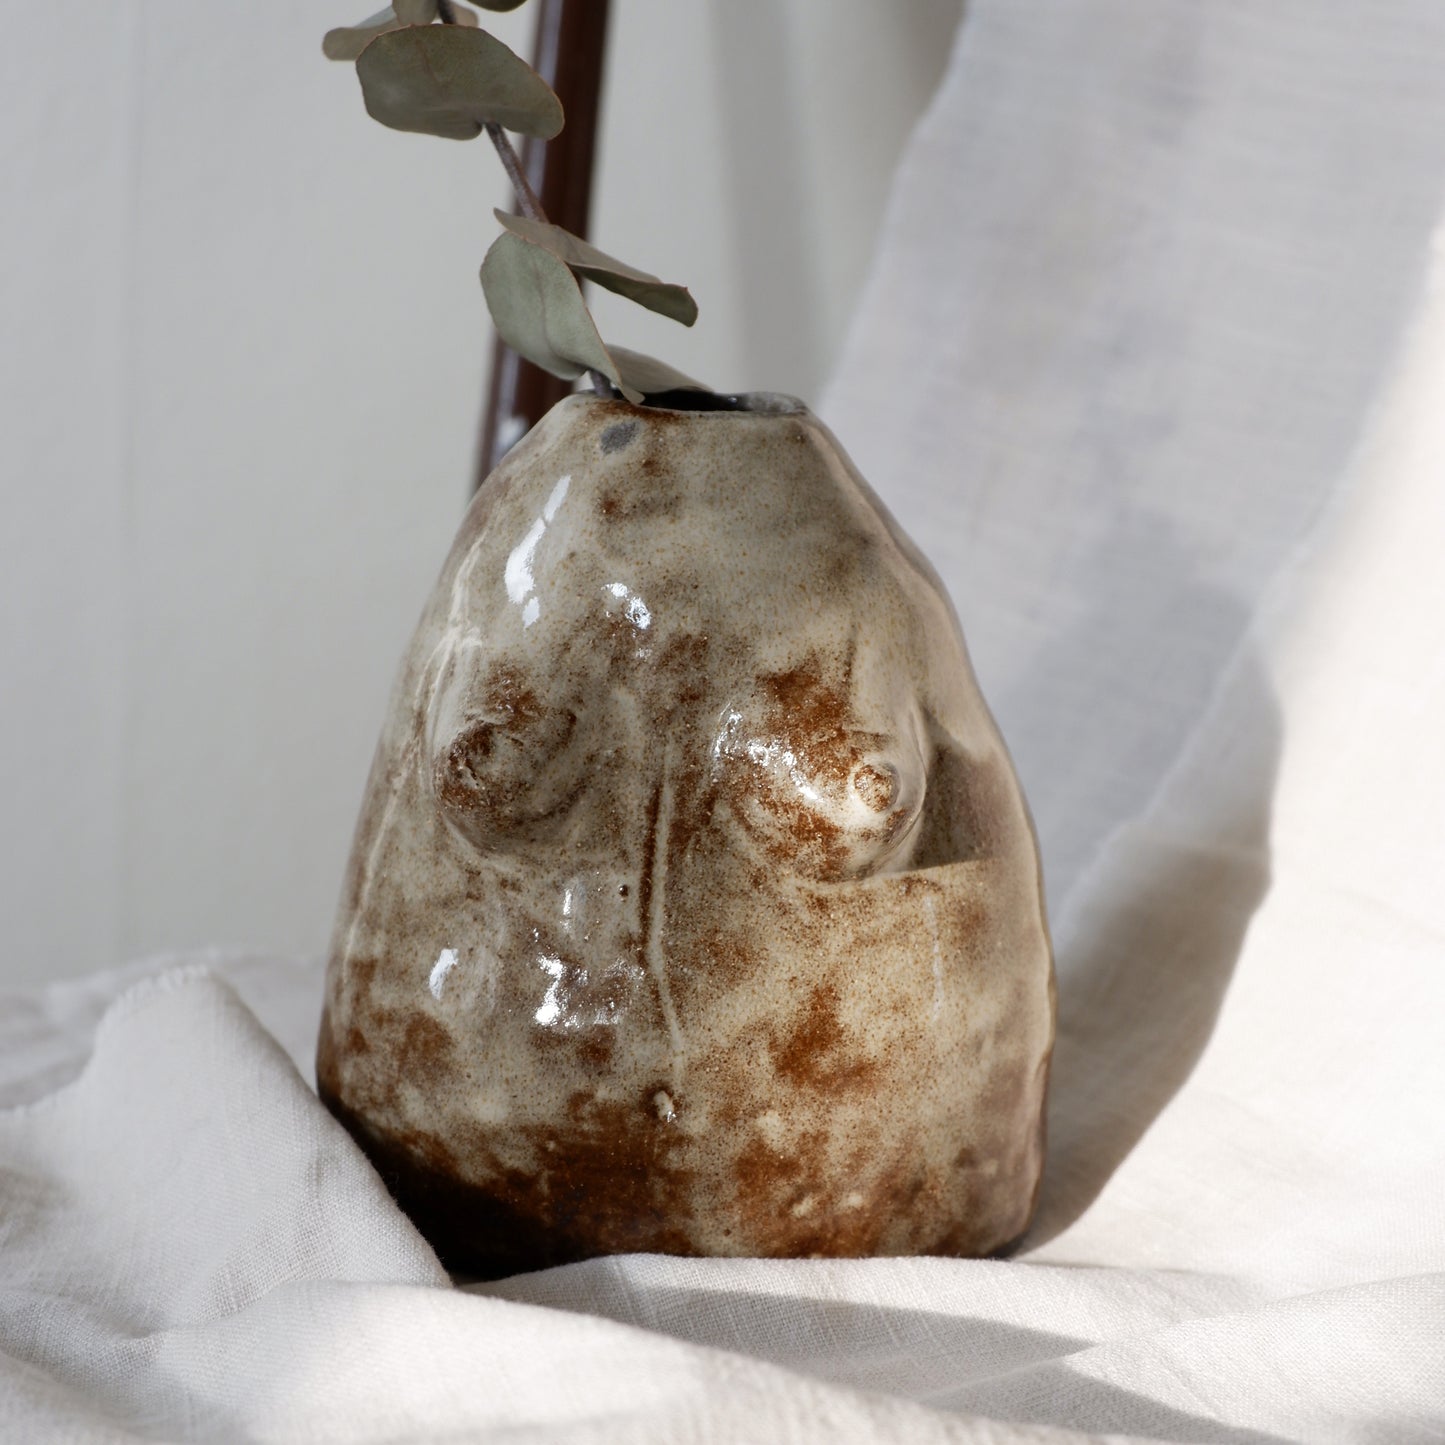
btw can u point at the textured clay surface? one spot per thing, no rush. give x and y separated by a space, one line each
693 907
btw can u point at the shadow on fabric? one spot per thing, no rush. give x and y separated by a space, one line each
949 1362
1148 946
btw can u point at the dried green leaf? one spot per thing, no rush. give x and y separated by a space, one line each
538 310
460 15
498 5
415 12
649 375
348 41
450 81
586 260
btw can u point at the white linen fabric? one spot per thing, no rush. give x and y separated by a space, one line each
1152 363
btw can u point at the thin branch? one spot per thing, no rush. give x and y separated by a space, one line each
526 197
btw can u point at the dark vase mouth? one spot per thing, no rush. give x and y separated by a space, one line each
759 403
755 403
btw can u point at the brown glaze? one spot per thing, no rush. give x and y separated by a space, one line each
693 906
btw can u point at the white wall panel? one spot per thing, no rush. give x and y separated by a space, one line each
67 205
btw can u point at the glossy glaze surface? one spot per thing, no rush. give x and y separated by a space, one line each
693 906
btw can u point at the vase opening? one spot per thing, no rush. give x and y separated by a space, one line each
759 403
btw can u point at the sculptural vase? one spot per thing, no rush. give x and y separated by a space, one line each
694 906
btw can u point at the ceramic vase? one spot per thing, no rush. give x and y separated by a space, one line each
694 906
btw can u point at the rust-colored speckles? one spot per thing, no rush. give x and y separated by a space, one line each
768 1179
493 774
693 797
791 1203
819 845
605 1182
645 492
595 1049
459 773
426 1047
815 717
796 767
912 885
728 957
508 695
815 1053
430 1150
612 1173
682 663
877 788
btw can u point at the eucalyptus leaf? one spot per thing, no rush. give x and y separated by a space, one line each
498 5
346 42
448 80
649 375
538 310
415 12
586 260
460 14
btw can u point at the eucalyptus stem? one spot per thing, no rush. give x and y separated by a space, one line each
526 196
531 207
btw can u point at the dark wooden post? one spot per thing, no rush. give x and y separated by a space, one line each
568 54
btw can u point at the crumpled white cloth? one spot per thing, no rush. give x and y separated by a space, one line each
1153 364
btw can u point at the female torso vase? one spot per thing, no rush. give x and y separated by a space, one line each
694 906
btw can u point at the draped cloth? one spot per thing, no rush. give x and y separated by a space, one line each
1152 364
